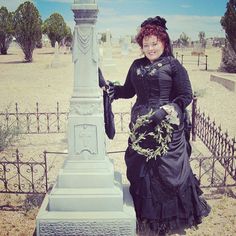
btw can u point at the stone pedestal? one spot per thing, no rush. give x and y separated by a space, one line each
88 211
88 198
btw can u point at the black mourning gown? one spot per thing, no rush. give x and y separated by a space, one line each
165 192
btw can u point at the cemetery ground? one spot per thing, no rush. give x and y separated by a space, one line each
29 83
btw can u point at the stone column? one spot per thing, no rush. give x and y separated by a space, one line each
88 198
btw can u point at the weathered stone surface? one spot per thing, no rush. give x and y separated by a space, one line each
86 228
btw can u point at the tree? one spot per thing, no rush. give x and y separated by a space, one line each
68 37
202 40
184 39
103 37
27 25
6 30
228 22
228 61
55 28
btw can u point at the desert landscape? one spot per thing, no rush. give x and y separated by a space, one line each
40 81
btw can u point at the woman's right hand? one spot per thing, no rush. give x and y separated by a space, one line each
110 89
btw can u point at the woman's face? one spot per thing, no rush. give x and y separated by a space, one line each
152 47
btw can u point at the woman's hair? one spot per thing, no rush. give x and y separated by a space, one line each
155 26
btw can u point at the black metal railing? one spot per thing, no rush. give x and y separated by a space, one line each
37 175
23 175
219 143
222 147
37 122
40 122
198 59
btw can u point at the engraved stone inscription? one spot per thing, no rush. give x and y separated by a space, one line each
86 139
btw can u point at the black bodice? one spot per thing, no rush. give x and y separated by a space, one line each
158 83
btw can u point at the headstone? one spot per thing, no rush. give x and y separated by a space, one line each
88 198
56 60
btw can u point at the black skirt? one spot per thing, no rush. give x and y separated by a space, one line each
165 192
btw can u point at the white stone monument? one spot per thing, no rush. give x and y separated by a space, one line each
88 198
56 60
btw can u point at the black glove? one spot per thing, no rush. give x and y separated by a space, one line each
102 82
110 89
158 116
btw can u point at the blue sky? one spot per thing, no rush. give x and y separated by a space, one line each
123 17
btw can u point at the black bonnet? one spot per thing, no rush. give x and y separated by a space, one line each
158 21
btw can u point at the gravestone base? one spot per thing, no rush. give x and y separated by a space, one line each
88 199
120 222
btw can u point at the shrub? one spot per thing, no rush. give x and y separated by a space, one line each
8 135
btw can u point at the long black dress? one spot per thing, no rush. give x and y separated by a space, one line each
165 192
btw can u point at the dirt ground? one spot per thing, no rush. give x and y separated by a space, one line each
28 83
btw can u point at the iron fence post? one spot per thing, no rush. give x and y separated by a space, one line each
194 108
45 170
206 62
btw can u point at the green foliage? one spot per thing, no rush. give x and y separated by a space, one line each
27 25
228 22
184 39
7 136
228 61
6 30
68 37
103 37
161 135
202 39
56 29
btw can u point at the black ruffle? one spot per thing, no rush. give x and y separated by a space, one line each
164 210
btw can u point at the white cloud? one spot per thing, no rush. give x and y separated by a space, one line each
191 25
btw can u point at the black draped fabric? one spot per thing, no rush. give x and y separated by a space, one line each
165 191
108 114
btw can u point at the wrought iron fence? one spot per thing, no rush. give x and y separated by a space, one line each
210 172
222 147
35 122
220 144
39 122
23 175
36 175
20 174
198 60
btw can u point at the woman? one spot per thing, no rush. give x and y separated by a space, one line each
165 193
